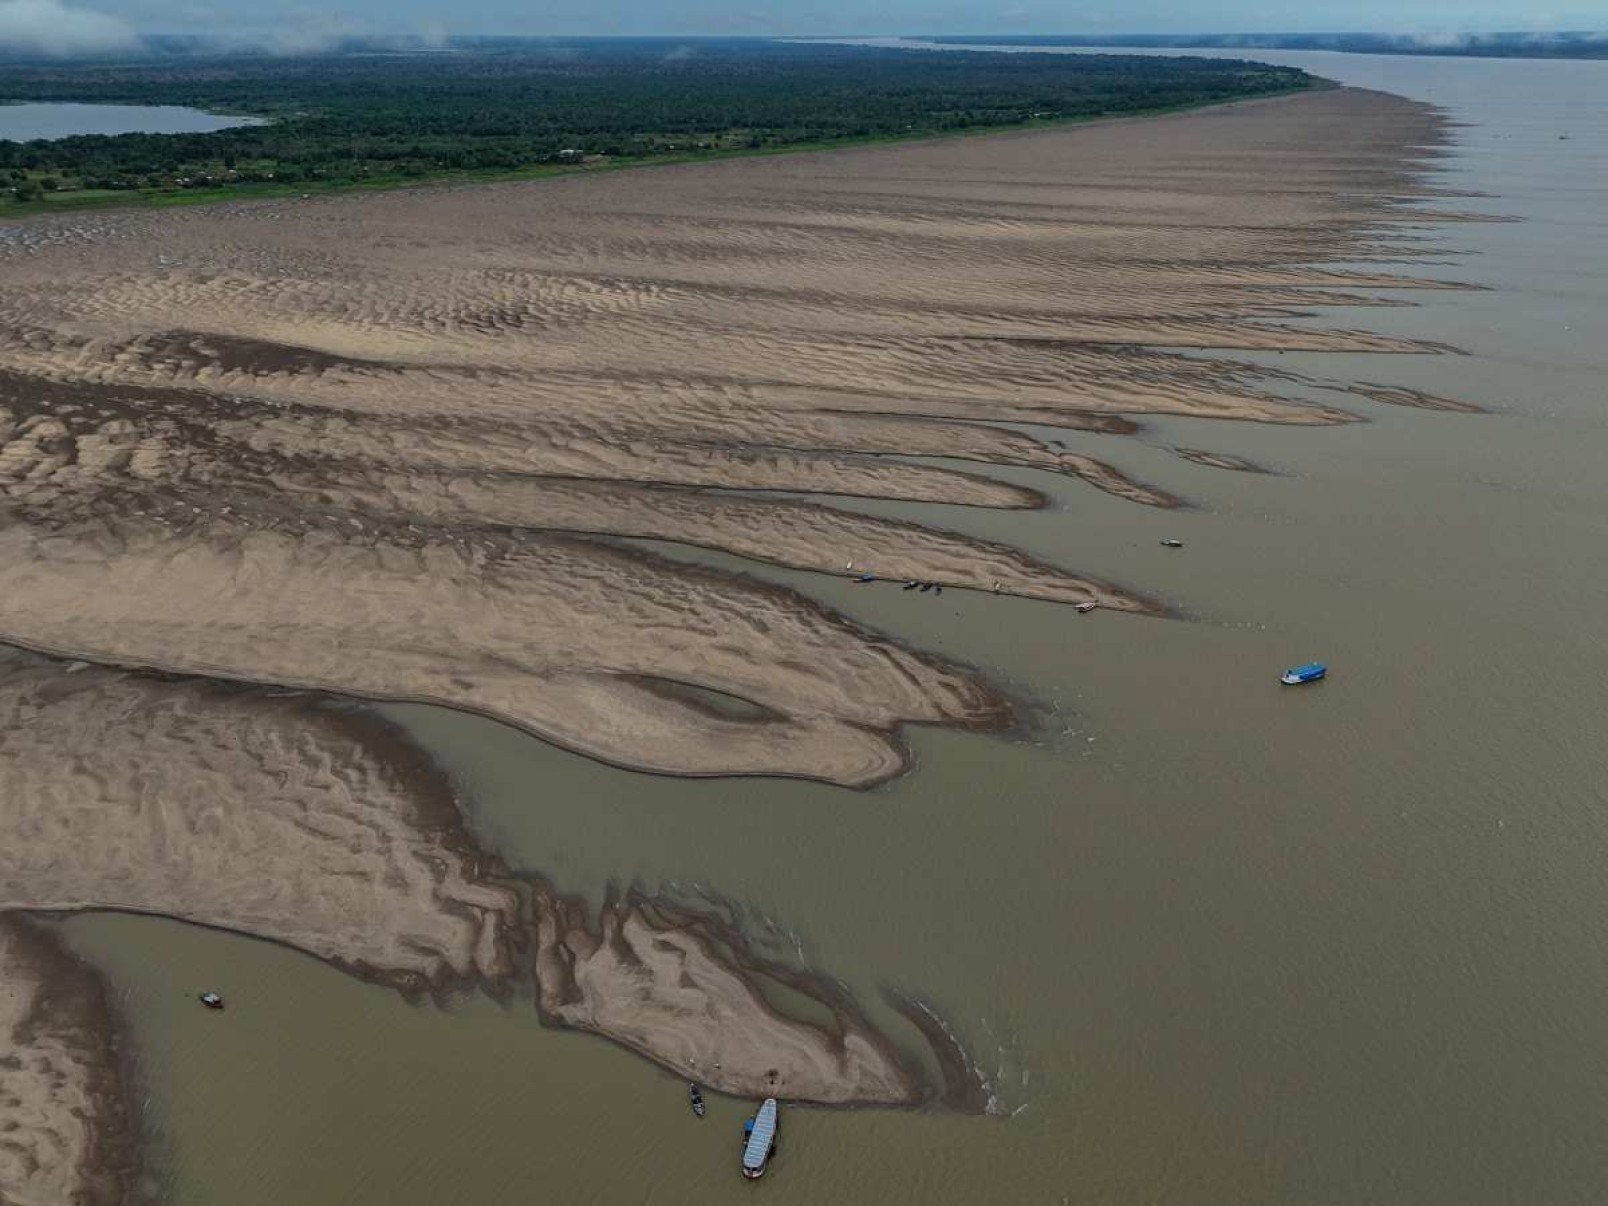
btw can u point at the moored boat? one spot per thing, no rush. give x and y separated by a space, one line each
1309 673
695 1095
761 1143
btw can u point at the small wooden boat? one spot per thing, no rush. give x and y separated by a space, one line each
1309 673
1086 608
760 1144
1170 543
211 1000
695 1095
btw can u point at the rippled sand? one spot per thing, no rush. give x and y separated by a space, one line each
316 826
408 446
397 445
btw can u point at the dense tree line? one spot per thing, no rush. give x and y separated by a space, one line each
502 105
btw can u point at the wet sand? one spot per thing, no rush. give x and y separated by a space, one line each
408 447
65 1133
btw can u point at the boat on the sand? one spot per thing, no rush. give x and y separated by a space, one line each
1309 673
760 1143
1085 607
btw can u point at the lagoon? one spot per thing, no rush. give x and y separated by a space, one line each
25 122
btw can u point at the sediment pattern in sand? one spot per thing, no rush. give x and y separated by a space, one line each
407 446
320 828
661 985
65 1134
400 445
259 815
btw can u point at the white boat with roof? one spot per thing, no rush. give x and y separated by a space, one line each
761 1143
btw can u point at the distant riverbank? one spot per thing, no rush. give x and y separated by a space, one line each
343 122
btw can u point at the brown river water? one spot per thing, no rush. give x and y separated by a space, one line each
1211 941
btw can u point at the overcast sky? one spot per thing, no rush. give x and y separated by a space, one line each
64 26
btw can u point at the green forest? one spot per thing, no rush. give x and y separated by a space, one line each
519 107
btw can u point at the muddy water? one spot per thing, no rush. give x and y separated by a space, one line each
1215 941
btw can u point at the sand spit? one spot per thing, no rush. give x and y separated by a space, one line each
657 981
564 638
1398 395
1219 460
390 444
314 825
66 1137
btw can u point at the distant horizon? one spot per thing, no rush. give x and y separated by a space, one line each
76 28
67 29
428 39
918 35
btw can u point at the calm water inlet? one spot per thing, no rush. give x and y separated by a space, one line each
25 122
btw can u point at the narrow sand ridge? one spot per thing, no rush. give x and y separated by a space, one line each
391 444
321 828
65 1132
638 978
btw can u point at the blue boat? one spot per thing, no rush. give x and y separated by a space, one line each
1309 673
761 1145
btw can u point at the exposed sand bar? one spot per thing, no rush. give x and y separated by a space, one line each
582 643
320 828
384 444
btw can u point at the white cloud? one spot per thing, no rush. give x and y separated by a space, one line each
48 27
